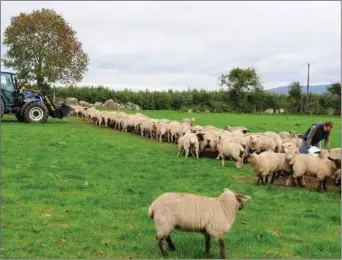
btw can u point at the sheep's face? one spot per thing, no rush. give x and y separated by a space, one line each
289 156
240 199
290 148
254 140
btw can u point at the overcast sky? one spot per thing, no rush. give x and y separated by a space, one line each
161 45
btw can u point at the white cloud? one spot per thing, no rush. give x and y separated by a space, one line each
160 45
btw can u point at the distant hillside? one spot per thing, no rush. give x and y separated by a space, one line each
317 89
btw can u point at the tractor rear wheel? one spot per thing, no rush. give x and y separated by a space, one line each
36 112
2 108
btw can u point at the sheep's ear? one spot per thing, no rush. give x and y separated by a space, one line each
242 197
333 159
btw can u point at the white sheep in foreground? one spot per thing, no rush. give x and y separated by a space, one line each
212 217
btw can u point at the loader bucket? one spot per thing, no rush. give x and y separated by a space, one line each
64 110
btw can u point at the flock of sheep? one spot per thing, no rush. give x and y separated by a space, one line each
270 154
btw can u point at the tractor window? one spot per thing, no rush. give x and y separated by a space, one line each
7 83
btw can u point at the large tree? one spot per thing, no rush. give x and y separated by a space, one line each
43 47
295 96
238 81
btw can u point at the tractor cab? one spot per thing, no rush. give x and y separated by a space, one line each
9 89
27 105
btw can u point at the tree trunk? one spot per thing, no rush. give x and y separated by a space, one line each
40 81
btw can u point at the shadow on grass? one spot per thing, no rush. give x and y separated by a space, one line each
49 122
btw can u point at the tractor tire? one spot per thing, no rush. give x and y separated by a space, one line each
2 108
36 112
19 117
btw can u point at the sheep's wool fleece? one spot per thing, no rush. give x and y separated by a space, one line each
190 212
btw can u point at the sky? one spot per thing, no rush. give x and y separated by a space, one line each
180 45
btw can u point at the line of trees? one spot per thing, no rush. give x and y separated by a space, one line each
212 101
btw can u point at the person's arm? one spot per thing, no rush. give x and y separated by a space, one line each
310 136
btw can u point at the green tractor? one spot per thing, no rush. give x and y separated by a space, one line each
26 105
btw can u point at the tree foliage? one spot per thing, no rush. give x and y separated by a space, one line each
295 97
43 47
335 89
239 81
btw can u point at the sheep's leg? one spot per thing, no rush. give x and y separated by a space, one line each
299 181
266 179
325 185
222 249
258 181
179 150
192 152
186 151
207 244
170 243
218 156
162 247
262 179
319 188
273 177
222 161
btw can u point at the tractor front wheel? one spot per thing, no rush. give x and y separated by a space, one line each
36 112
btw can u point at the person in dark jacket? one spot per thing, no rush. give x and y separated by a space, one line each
316 133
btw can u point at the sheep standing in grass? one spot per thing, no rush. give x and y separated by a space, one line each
189 142
227 148
321 167
267 163
212 217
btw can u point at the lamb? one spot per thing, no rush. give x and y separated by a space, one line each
261 143
212 217
227 148
189 142
162 130
321 167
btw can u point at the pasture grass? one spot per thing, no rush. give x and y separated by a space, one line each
72 190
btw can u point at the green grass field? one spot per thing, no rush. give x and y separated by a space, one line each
73 190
